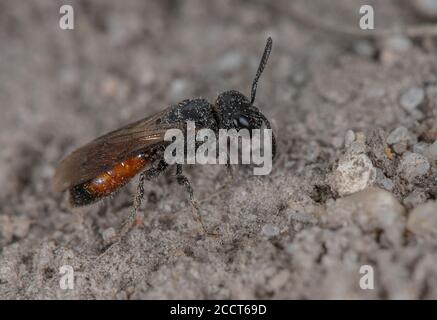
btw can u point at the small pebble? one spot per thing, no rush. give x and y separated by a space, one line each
397 43
270 230
431 91
420 147
230 61
398 135
279 279
431 153
413 165
383 181
393 49
349 138
422 220
400 139
371 209
13 226
178 88
337 142
412 98
358 145
353 173
426 8
387 184
108 235
414 199
430 135
400 147
364 48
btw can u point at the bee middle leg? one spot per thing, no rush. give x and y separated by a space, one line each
183 181
229 169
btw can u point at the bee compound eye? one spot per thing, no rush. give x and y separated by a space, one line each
243 121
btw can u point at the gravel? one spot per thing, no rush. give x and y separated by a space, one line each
397 43
412 98
370 209
420 147
427 8
412 166
415 198
431 153
354 170
270 231
422 220
400 139
353 173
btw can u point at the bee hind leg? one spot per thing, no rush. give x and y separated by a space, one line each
136 218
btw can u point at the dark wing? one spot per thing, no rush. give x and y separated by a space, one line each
108 150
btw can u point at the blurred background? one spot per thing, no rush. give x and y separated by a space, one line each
326 78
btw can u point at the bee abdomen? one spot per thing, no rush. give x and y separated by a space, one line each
107 182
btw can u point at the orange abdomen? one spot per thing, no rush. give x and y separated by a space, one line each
107 182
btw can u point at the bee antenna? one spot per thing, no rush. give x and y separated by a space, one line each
261 67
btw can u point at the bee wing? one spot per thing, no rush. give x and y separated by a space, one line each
108 150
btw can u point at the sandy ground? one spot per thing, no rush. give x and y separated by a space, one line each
354 183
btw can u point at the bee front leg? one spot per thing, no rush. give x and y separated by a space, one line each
183 181
229 169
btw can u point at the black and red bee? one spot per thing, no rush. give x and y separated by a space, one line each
107 163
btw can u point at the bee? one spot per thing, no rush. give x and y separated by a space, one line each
104 165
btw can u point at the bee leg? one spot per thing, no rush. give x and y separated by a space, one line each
229 169
183 181
148 175
139 195
134 217
230 177
223 188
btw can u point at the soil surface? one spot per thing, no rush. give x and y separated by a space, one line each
354 183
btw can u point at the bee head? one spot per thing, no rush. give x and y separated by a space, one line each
236 111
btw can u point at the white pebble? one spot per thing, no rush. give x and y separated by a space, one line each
353 173
364 48
431 153
412 98
108 234
431 91
420 147
413 165
270 230
414 199
427 8
229 62
398 135
349 138
178 88
397 43
371 209
423 219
